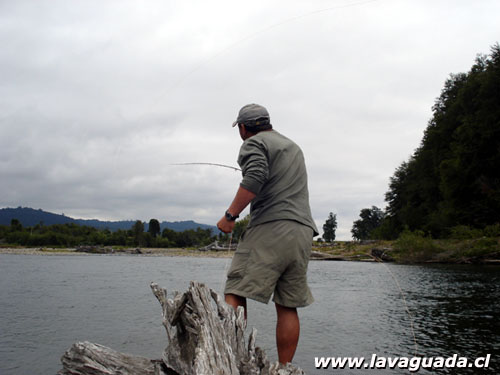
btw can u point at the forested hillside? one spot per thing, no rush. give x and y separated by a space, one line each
29 217
25 226
453 177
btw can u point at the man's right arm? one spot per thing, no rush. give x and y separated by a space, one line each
241 200
254 165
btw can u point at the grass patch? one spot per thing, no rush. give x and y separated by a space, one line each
415 247
349 248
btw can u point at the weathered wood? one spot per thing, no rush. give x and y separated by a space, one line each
381 254
206 337
85 358
317 255
214 246
106 250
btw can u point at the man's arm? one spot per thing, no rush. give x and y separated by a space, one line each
241 200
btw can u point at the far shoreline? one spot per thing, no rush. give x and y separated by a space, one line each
158 252
472 251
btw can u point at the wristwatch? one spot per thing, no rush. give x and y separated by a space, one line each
230 217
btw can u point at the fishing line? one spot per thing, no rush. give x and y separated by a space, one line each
231 46
404 300
227 264
231 235
264 30
253 35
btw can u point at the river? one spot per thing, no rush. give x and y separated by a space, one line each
49 302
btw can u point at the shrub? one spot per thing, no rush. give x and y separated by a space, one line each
492 230
482 247
464 232
415 246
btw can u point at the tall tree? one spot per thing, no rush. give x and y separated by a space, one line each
154 227
138 232
15 225
371 218
330 227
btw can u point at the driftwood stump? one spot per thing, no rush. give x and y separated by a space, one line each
206 337
85 358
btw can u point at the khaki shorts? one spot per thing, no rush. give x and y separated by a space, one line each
272 258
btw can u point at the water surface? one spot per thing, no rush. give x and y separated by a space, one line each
49 302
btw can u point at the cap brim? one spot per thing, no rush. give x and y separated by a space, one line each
235 123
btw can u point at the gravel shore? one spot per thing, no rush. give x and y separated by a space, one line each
118 252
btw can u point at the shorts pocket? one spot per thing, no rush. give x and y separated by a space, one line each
239 264
242 235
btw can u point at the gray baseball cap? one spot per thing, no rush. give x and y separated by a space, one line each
249 115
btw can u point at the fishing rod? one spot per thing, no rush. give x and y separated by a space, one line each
212 164
231 234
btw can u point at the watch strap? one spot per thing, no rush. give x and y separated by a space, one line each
231 217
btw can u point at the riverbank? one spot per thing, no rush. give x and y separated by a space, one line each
408 249
413 248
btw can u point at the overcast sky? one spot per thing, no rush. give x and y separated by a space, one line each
99 98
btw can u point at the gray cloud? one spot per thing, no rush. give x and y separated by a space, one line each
98 99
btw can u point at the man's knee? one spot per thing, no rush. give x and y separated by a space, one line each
235 300
284 310
287 315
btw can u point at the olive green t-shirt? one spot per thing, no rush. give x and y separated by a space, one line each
274 169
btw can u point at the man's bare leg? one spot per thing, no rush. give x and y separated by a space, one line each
287 332
235 301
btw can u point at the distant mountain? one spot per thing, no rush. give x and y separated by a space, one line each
30 217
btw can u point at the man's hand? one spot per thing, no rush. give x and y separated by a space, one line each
225 225
241 200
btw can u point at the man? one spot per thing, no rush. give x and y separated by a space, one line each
273 252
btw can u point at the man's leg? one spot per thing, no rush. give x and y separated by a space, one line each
235 301
287 332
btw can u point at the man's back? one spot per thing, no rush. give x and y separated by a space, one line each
274 169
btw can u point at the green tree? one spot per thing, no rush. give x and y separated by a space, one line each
371 219
154 227
330 227
223 237
170 235
452 177
148 240
240 227
187 238
15 225
138 232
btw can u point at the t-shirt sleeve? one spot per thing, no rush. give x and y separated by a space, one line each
254 165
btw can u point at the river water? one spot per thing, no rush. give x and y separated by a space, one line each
49 302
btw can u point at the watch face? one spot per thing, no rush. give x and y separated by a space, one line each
228 216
